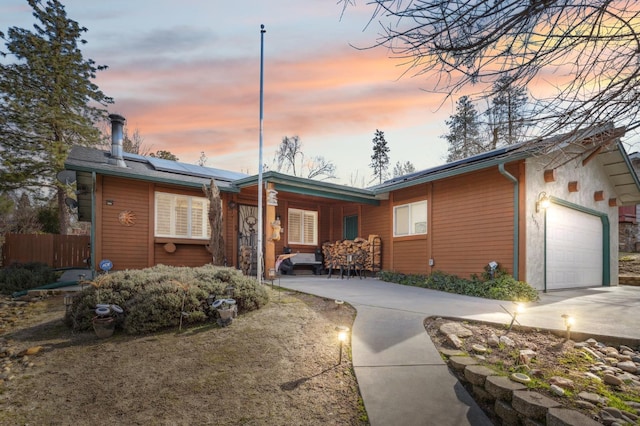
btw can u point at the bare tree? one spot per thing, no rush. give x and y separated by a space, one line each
289 158
289 151
585 52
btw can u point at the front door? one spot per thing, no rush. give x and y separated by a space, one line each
350 227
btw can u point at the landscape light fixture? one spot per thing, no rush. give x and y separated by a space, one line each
543 202
343 334
518 310
568 322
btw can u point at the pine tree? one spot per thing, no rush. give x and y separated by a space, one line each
380 157
464 131
506 113
48 101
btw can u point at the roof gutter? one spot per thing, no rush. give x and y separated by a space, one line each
516 215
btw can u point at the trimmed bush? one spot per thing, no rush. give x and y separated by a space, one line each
155 298
25 276
500 286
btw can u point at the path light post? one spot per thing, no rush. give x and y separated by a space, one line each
568 322
343 334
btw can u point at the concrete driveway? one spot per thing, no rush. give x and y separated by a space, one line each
402 378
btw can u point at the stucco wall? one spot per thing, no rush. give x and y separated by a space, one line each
591 178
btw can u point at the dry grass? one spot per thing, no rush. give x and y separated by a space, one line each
274 366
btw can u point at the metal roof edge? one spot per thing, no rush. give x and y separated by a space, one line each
305 183
145 177
445 173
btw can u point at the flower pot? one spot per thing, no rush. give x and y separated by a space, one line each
104 326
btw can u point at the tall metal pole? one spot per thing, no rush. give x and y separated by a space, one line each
260 232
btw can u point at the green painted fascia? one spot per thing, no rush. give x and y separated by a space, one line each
304 186
147 178
606 243
627 161
318 192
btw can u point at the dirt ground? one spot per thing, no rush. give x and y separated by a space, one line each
275 366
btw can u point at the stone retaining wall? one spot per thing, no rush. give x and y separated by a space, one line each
512 402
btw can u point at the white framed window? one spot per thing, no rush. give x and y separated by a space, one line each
302 226
181 216
410 219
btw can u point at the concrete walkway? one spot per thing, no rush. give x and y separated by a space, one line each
402 378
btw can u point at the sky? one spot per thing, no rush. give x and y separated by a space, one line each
186 75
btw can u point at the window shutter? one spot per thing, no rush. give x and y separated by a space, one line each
197 219
310 228
163 215
182 219
294 226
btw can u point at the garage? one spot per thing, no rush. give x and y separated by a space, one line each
574 244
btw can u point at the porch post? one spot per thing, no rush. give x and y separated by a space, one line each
269 246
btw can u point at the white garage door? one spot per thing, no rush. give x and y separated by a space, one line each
574 248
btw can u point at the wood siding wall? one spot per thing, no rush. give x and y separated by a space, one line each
135 246
127 247
472 222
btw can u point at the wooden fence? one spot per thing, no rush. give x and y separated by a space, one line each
57 251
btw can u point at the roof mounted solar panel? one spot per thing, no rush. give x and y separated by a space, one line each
170 166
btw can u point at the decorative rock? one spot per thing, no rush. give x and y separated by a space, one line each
585 404
592 353
528 353
477 374
493 341
610 379
507 341
455 341
478 348
565 417
624 348
455 328
592 376
459 363
501 387
593 398
557 390
628 366
592 342
562 382
532 404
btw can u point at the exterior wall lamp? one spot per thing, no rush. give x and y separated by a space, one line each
543 202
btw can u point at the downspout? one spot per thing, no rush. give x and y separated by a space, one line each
92 251
516 215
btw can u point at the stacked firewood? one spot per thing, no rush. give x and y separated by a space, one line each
368 252
246 258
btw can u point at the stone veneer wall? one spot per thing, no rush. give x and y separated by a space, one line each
627 237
